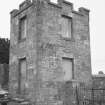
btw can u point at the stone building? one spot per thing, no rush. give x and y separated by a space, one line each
49 51
99 80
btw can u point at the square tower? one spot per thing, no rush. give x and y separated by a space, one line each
49 49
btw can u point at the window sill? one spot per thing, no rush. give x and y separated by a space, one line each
22 40
67 38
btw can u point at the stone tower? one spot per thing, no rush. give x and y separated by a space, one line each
49 49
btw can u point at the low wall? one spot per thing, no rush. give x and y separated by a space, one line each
4 75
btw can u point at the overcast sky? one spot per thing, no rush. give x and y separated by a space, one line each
97 26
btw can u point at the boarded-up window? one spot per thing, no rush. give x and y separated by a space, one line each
67 68
22 74
22 28
66 27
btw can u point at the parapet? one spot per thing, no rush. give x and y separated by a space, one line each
62 4
84 10
66 4
24 4
14 12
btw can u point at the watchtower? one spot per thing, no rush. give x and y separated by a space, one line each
49 51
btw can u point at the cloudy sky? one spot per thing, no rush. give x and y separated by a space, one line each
97 31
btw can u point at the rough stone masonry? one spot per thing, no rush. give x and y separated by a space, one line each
49 51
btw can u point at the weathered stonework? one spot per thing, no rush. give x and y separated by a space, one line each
44 48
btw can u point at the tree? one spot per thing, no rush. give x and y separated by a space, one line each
4 50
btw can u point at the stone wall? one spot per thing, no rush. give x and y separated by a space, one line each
44 48
99 81
24 48
4 76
